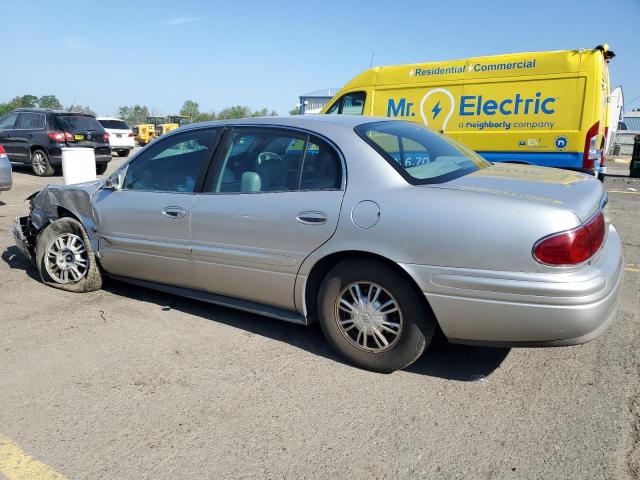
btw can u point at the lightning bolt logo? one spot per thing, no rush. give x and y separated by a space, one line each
436 110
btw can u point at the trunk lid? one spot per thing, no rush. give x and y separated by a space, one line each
86 130
583 194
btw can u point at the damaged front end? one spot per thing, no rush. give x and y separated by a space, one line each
50 204
24 232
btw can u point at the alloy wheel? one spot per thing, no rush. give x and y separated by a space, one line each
66 258
368 316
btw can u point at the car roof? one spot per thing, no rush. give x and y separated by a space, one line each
49 110
110 118
311 122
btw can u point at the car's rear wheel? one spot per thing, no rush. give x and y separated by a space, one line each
40 163
101 168
123 153
373 316
65 259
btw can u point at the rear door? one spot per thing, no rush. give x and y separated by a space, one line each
273 199
143 228
7 124
28 125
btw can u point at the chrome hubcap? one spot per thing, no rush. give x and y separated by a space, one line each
368 316
38 163
66 259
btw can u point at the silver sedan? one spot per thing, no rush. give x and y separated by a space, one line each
6 179
380 230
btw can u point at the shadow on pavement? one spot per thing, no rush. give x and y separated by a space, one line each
12 257
441 359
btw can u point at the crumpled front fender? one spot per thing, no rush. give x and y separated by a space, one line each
55 201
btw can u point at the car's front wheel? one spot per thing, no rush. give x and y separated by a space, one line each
40 163
101 168
373 316
65 259
123 153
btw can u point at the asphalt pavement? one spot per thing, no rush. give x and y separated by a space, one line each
129 383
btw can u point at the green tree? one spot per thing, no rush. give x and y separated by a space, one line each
260 113
191 109
295 111
80 109
49 101
5 108
25 101
237 111
134 115
273 113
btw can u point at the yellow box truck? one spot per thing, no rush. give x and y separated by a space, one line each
539 108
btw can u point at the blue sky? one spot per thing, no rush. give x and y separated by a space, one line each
267 53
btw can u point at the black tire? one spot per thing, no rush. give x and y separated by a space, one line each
123 153
417 320
101 168
40 163
601 176
92 279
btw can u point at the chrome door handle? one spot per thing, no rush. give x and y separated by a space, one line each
174 212
312 218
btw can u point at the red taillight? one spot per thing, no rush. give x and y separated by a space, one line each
2 152
591 152
105 137
130 134
61 136
56 136
573 246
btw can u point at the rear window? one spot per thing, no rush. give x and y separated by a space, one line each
114 124
78 123
420 155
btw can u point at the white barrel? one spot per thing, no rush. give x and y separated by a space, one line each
78 165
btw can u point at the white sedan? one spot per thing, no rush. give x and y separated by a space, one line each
121 137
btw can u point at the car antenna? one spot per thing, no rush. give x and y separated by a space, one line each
373 54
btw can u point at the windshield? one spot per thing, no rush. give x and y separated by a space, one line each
114 124
78 123
419 154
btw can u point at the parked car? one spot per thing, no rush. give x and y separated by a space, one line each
120 135
6 179
36 136
378 229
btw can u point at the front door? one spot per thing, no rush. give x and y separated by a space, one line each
143 228
273 198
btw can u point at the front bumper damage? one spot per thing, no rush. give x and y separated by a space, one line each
24 235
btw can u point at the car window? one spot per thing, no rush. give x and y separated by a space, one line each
114 124
275 160
173 164
321 169
349 104
8 121
78 123
30 121
419 154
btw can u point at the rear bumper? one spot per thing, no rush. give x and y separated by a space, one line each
6 178
526 309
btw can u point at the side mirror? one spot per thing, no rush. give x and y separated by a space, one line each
116 180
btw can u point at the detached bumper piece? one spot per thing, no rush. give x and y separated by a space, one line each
24 235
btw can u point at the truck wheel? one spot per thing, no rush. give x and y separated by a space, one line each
65 259
40 163
101 168
123 153
373 317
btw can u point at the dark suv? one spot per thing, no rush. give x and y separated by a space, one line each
36 136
